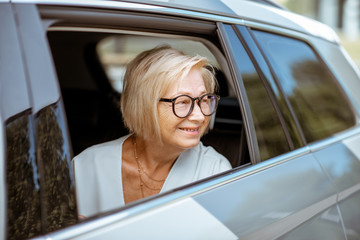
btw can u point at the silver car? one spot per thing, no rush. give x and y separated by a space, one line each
288 119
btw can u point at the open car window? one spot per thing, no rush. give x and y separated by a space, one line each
90 67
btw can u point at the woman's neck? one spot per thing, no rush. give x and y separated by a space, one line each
157 158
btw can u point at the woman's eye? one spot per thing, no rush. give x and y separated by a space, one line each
205 100
183 102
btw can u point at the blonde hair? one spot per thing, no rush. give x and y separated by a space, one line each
148 77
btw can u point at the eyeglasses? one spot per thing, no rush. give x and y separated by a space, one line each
183 105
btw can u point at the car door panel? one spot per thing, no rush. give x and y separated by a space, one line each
350 215
260 204
182 219
341 161
325 225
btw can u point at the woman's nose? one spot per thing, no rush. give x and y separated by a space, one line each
196 114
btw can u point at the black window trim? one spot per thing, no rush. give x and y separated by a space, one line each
242 97
257 59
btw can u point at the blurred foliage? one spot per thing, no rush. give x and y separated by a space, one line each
59 193
41 194
23 208
352 47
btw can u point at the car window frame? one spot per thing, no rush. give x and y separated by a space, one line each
76 16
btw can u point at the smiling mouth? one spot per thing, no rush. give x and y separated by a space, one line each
190 129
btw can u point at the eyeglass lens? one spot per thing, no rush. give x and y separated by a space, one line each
183 105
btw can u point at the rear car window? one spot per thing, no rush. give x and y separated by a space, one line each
311 89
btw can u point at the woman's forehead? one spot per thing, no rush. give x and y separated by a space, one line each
192 84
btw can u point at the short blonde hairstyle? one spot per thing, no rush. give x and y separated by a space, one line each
148 77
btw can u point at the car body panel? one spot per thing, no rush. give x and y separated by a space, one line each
14 97
3 201
351 219
183 219
341 161
344 175
13 84
41 72
262 199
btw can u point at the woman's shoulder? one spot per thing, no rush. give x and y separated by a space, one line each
207 155
202 161
207 151
102 149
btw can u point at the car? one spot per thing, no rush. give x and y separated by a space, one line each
288 119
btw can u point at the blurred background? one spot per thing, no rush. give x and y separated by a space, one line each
341 15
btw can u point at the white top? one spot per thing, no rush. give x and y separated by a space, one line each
99 181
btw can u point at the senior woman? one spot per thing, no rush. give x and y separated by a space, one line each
168 98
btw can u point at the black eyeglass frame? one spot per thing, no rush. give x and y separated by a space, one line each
172 100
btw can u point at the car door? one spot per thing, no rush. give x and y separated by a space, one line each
324 109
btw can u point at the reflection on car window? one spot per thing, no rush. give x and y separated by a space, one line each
57 182
22 178
316 99
269 132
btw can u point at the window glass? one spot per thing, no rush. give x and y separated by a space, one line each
22 178
57 181
269 132
316 99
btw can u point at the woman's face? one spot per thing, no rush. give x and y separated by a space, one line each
183 133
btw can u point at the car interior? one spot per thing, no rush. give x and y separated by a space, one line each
90 66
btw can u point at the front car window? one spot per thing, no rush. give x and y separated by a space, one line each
316 99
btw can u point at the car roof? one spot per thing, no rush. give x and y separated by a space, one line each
248 11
